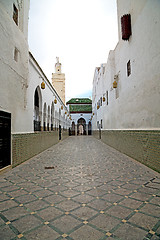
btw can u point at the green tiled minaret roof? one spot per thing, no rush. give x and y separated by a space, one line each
79 101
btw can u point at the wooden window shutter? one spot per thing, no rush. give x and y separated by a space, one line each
126 26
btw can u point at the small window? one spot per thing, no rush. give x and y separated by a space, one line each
101 101
101 124
15 14
128 68
16 52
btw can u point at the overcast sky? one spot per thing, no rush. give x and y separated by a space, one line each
79 32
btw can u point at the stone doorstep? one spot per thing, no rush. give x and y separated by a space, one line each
5 169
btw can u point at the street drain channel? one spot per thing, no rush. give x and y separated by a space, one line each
49 168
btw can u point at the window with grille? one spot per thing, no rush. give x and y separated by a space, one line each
126 26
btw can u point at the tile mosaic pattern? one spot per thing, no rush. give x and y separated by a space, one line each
93 192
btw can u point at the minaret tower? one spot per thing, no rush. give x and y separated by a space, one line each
58 80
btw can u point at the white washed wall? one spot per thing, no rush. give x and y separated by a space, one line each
137 106
14 74
36 77
76 116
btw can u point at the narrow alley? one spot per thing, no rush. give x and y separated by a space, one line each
80 189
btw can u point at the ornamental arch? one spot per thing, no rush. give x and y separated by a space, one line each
81 126
44 116
37 109
52 116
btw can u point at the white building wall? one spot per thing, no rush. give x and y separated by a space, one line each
76 116
14 74
20 75
36 77
135 103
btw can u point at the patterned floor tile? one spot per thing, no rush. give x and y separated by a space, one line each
86 232
69 193
99 195
15 213
49 213
26 223
26 198
36 205
105 222
118 211
151 209
84 213
83 198
128 232
99 204
131 203
143 220
65 223
6 233
7 204
67 205
44 232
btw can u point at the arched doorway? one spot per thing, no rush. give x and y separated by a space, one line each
60 130
44 117
48 119
52 116
73 128
37 109
81 126
89 128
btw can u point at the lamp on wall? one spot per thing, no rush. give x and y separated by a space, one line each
61 107
65 112
97 106
104 99
43 85
115 84
55 101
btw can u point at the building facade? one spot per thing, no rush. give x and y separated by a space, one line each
126 89
81 116
32 114
133 103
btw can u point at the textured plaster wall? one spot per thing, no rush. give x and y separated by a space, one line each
135 103
14 74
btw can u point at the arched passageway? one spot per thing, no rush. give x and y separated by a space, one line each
81 126
37 109
73 128
52 116
44 117
48 119
89 128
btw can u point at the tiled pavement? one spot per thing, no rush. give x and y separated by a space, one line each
93 192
